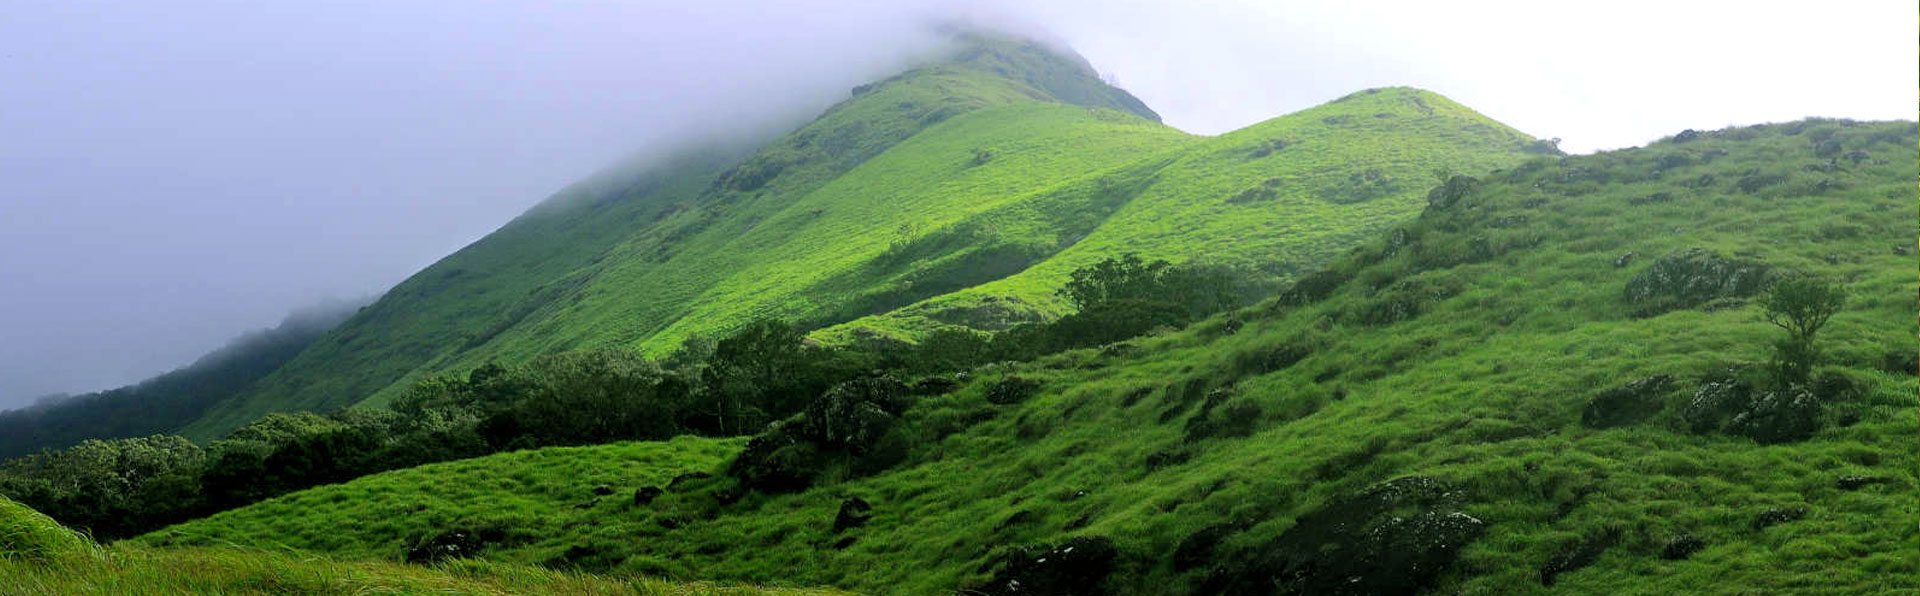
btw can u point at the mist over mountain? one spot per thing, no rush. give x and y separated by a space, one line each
986 320
179 172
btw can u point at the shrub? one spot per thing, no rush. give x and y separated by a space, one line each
1011 390
1626 404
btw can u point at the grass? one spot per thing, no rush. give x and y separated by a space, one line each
37 556
1480 385
538 500
1304 207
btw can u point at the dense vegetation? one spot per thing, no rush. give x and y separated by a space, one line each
1686 367
734 385
166 403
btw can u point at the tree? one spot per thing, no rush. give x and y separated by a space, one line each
762 367
1801 306
1112 279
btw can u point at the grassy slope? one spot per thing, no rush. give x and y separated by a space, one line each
533 495
472 293
37 556
1184 207
1483 389
639 254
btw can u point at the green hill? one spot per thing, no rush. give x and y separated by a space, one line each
1555 375
167 402
37 556
959 193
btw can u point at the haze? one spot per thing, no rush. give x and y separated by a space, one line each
175 173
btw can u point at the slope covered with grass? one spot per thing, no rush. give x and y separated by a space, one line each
1280 197
667 248
1525 387
529 504
37 556
958 194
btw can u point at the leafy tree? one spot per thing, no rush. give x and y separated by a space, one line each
1112 279
761 367
591 397
113 488
1801 306
951 349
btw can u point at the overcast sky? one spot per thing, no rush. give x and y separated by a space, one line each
175 173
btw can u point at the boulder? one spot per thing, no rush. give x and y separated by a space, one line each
854 512
1778 515
1449 193
1853 482
853 415
1715 402
1681 547
1394 538
450 544
1578 554
1078 566
1694 277
1011 390
776 461
1786 415
645 495
1627 404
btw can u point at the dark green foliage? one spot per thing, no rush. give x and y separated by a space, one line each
1360 187
1801 306
1544 147
1404 300
951 350
855 419
776 460
1694 277
1784 415
1271 359
1011 390
589 397
1266 191
1314 287
1627 404
1577 554
570 398
1394 538
1125 297
855 415
451 544
113 488
1078 566
1778 515
1682 546
165 403
761 368
854 512
1450 192
1268 147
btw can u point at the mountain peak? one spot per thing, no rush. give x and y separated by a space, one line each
1050 70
